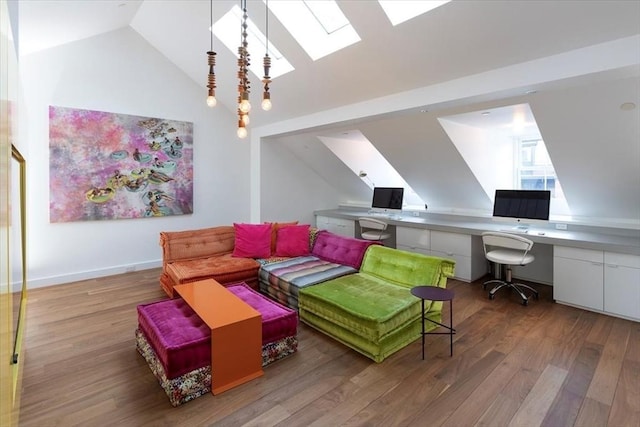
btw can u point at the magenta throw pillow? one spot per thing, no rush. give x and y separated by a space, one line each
293 241
252 241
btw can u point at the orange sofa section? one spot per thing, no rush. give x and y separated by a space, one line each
194 255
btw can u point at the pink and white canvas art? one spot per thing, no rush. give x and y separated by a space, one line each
113 166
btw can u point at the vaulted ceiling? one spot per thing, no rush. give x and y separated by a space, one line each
462 41
458 39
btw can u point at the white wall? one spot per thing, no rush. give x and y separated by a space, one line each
120 72
290 189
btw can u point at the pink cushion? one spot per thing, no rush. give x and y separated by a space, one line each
293 241
278 321
340 249
275 226
252 240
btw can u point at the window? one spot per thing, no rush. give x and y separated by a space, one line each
505 150
535 171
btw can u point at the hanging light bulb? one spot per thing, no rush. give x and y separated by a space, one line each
242 130
245 105
245 118
266 101
211 60
212 101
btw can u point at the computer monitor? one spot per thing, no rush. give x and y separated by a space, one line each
522 207
387 199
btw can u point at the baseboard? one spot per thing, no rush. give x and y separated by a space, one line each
91 274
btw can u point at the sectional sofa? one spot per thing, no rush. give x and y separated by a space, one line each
356 291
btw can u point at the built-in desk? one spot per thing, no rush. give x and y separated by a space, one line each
620 240
611 255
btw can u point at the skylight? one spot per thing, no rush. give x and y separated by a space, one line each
399 11
227 30
319 26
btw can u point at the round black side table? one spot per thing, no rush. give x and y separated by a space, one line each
434 293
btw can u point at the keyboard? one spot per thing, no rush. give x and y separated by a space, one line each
515 230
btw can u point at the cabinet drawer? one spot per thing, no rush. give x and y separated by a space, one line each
413 237
578 253
463 264
322 222
413 249
626 260
341 226
451 243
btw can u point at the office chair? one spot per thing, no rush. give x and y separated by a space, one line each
508 249
373 229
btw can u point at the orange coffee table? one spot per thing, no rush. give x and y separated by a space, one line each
236 333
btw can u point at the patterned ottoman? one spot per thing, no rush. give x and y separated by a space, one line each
176 343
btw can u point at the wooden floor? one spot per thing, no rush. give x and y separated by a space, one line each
545 364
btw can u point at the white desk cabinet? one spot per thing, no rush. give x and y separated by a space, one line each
622 284
465 249
413 239
578 277
603 281
343 227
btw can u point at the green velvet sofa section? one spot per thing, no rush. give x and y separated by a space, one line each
373 311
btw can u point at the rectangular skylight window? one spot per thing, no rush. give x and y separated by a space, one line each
399 11
227 30
319 26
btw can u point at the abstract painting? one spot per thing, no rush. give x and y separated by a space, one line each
113 166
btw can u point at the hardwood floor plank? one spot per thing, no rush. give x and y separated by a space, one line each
605 379
573 338
600 330
507 403
418 387
81 368
499 412
625 409
444 405
565 408
592 413
482 397
532 411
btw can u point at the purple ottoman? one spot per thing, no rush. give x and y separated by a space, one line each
180 340
278 321
176 343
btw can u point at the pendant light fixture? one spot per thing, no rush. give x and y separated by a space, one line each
211 59
244 106
244 85
266 96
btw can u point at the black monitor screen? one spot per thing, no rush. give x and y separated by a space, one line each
387 197
529 204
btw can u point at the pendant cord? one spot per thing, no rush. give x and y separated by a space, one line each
266 7
211 27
